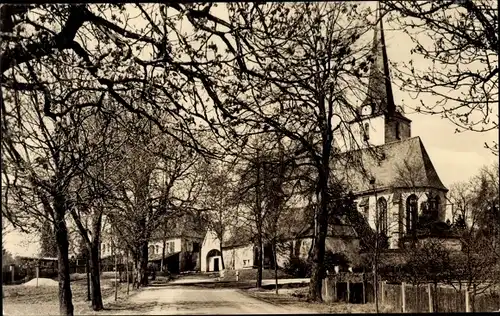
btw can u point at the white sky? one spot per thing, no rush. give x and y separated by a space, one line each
456 156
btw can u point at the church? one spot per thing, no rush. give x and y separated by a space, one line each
396 188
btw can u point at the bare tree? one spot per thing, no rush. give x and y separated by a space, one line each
476 218
157 181
43 157
460 39
293 80
219 202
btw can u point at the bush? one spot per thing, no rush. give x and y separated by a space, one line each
298 267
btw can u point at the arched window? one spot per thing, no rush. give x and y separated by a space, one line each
382 215
437 202
151 250
366 132
411 213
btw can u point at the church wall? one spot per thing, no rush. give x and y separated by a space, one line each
376 132
344 141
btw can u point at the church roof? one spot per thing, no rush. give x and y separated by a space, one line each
402 164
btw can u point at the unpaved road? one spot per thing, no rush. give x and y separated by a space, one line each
192 300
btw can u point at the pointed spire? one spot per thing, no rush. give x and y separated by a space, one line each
379 94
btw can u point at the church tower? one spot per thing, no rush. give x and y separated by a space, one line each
380 120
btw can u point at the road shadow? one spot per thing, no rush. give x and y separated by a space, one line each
196 305
130 306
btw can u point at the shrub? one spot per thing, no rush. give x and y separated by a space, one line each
298 267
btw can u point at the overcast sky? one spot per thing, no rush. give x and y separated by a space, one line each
456 156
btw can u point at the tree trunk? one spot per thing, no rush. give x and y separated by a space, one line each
259 261
61 232
95 277
143 265
128 275
275 265
221 255
163 254
318 255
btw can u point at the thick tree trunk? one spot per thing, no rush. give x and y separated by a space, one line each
260 255
95 278
318 254
61 232
143 265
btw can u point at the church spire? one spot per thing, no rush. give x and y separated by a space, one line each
379 94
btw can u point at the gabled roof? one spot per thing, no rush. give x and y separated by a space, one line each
403 164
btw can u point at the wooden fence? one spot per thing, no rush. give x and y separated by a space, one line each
408 298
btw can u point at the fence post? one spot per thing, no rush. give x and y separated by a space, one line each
348 291
403 297
326 289
467 301
364 290
335 289
429 290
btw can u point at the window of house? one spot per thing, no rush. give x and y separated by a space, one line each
151 250
171 246
411 213
157 249
104 248
382 215
398 132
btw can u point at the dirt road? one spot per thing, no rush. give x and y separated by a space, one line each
189 300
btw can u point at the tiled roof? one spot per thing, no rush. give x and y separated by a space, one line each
401 164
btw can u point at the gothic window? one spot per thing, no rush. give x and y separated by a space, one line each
366 132
411 213
435 211
382 215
